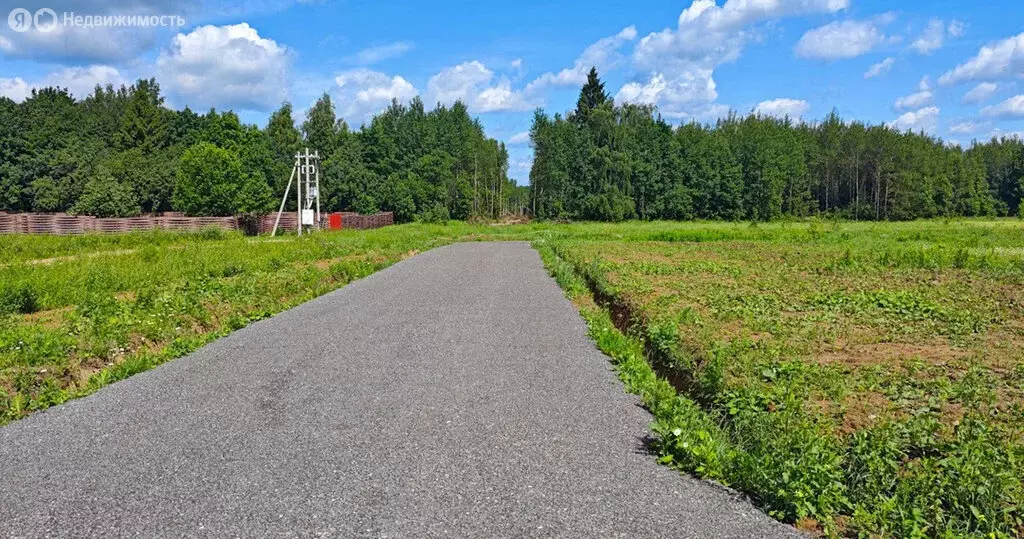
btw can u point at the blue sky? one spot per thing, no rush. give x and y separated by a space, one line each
953 69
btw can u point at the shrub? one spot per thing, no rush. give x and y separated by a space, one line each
437 214
104 196
18 298
211 182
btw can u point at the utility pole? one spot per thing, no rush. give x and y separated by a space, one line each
306 174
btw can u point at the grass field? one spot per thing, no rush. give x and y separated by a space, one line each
851 378
81 312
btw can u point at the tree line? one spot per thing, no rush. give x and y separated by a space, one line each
611 162
121 152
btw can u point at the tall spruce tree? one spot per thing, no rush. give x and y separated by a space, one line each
592 95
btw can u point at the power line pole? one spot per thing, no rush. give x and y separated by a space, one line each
306 174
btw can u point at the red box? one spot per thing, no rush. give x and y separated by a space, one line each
334 221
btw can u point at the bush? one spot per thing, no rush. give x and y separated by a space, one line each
19 298
104 196
46 195
437 214
365 205
211 183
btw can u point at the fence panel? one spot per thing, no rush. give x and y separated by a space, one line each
60 223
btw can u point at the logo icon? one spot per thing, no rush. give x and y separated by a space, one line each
44 24
20 19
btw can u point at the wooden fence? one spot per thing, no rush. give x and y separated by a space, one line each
348 220
59 223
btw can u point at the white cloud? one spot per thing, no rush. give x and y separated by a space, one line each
956 28
521 166
980 93
473 84
73 43
840 39
372 55
932 37
686 88
967 127
926 119
782 107
916 100
459 83
880 68
604 55
225 66
679 62
79 81
998 60
362 93
15 89
520 138
1011 108
714 34
999 133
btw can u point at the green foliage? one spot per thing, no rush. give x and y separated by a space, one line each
104 196
437 214
365 204
18 298
211 182
758 167
45 195
753 348
52 147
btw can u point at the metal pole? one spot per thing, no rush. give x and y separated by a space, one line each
317 161
309 178
298 194
283 200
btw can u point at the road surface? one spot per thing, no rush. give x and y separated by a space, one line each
453 394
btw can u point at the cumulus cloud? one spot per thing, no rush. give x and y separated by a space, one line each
967 127
1011 108
716 34
15 89
841 39
880 68
999 134
926 119
475 85
934 35
362 93
78 44
604 55
783 107
521 167
373 55
916 100
225 66
79 81
520 138
980 93
679 62
1002 59
686 88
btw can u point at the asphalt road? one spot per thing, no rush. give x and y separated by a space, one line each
453 394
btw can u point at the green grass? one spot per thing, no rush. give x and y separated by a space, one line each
858 379
853 378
